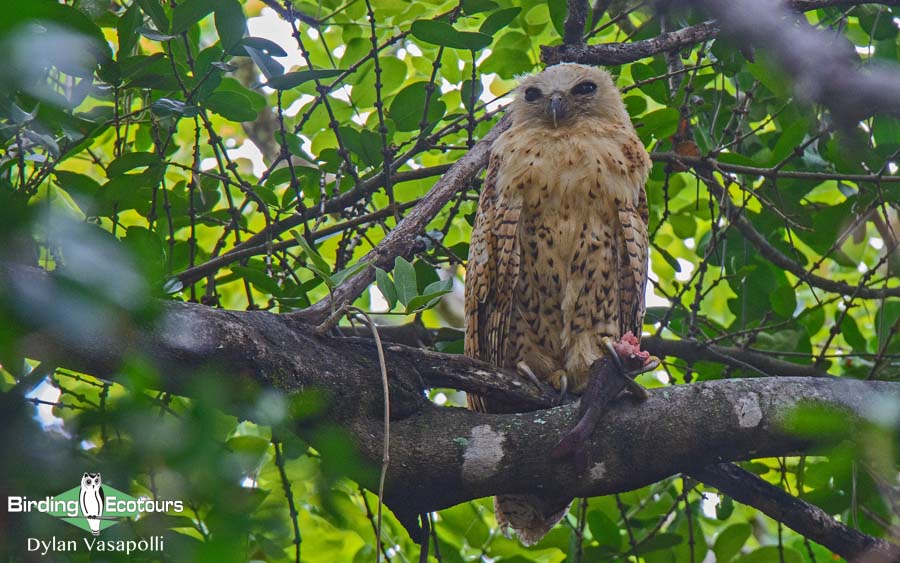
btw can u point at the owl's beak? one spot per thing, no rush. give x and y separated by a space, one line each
557 108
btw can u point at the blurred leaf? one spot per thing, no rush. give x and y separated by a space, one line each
771 553
294 79
231 105
157 15
467 95
659 541
230 23
189 12
730 541
130 161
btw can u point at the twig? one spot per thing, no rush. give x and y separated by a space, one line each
385 456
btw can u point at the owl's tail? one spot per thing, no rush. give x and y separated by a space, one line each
529 516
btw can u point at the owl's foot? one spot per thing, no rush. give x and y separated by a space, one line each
560 381
526 370
609 376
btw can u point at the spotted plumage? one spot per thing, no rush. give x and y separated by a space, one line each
558 257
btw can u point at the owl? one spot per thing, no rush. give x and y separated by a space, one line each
92 499
558 256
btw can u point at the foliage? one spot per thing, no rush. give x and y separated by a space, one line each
126 129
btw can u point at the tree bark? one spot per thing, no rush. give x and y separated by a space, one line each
440 456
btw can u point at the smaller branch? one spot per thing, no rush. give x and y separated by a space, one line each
699 162
799 515
574 26
258 243
417 336
775 256
696 350
402 240
609 54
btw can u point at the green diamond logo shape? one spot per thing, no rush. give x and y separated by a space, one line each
93 507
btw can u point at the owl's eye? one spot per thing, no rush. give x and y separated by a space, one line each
532 94
584 88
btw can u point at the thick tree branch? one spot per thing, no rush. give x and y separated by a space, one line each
804 518
440 456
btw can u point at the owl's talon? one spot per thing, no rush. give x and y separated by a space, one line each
525 370
563 386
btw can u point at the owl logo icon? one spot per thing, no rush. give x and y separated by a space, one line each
92 499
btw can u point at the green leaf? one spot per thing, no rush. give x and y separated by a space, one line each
293 79
164 107
386 287
126 29
130 161
507 63
466 93
190 12
408 105
346 273
260 44
153 34
319 265
771 553
82 188
442 33
851 333
662 540
725 508
783 300
604 530
19 116
267 65
231 105
230 22
498 20
730 541
156 12
470 7
558 11
661 123
405 280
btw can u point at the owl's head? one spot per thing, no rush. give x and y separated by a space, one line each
90 480
562 94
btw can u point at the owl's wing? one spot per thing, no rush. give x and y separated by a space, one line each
491 275
633 252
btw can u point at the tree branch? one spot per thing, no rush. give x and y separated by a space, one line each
575 20
401 241
824 70
775 256
804 518
440 456
610 54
